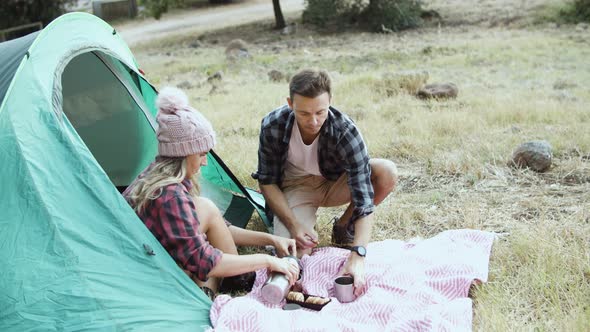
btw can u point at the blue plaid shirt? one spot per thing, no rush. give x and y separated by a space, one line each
340 149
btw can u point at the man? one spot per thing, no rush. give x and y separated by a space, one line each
312 155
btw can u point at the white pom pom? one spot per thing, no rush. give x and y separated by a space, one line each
171 99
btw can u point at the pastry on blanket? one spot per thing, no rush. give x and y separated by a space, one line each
317 300
295 296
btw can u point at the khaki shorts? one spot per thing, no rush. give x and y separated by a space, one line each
306 194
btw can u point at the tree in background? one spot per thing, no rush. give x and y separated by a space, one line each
18 12
279 18
158 7
577 11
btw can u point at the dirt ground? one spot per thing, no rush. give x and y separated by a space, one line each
202 19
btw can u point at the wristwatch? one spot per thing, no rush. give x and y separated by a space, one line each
360 250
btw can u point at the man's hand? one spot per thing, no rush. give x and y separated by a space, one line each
284 246
304 237
355 266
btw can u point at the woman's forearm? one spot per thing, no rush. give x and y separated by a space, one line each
231 265
244 237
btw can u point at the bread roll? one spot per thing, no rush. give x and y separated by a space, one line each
323 300
317 300
295 296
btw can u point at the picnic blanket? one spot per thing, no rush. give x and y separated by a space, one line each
419 285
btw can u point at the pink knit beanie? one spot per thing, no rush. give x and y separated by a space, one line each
182 130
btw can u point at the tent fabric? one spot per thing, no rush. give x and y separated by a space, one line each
73 254
242 202
11 54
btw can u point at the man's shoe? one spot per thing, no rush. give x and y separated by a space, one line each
341 237
241 282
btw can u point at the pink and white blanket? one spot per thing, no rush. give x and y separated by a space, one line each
419 285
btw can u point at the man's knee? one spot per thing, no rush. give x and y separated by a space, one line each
384 174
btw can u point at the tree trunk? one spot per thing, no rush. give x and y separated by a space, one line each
279 19
133 8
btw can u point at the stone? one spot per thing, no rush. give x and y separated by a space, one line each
294 44
217 90
290 29
185 85
195 44
582 26
438 91
430 15
217 77
535 155
564 95
276 76
237 49
561 84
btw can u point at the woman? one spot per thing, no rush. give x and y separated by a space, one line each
191 228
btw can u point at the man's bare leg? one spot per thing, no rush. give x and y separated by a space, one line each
383 179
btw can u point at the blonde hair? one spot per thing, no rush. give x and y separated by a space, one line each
165 171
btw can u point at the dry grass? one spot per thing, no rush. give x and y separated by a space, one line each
517 82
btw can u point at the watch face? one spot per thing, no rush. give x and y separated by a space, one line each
360 250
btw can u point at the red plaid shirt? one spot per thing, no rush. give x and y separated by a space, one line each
172 218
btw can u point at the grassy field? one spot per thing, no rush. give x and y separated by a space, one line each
519 79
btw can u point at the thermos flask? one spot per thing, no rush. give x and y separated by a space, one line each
277 285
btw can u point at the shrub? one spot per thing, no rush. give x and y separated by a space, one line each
392 14
331 12
156 8
376 15
578 11
18 12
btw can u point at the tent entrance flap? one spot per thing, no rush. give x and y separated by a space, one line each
108 119
113 114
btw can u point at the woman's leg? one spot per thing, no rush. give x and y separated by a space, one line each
218 234
212 224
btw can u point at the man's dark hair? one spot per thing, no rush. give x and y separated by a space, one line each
310 83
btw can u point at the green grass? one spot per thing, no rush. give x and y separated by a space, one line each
517 82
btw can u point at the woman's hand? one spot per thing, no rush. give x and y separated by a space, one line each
284 266
284 246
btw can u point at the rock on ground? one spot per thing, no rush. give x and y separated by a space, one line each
438 91
535 155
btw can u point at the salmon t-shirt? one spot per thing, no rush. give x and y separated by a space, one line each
302 159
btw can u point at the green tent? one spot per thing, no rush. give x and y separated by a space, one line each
76 123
